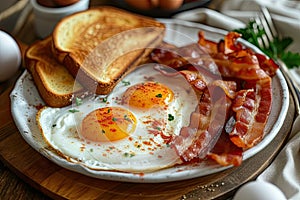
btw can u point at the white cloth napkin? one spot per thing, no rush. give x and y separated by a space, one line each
284 172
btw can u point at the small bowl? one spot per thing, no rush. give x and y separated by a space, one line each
45 18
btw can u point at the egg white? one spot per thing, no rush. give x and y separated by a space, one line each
141 151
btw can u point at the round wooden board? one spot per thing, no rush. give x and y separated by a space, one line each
59 183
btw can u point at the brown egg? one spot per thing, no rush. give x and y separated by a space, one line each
155 3
170 4
47 3
56 3
140 4
65 2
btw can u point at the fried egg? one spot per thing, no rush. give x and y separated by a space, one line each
128 130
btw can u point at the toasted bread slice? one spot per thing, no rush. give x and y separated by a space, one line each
53 81
101 45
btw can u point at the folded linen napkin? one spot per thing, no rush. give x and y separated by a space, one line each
284 172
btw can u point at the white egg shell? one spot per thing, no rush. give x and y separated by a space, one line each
10 56
259 190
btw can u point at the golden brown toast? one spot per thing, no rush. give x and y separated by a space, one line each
53 81
101 45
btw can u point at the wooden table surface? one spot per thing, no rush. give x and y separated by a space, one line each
14 187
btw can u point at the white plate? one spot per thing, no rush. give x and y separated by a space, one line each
25 101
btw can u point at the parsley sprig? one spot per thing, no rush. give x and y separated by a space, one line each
277 49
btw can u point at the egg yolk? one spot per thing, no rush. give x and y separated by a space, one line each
147 95
108 124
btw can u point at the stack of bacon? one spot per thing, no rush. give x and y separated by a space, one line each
234 87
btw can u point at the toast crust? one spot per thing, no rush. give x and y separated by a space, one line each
55 84
101 45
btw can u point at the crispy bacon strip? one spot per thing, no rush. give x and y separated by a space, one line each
196 79
168 57
206 125
229 87
241 65
191 57
252 107
225 152
211 46
231 44
268 65
229 51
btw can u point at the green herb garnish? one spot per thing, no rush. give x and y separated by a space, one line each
78 101
159 96
158 128
104 100
73 110
277 48
127 118
170 117
125 83
129 154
